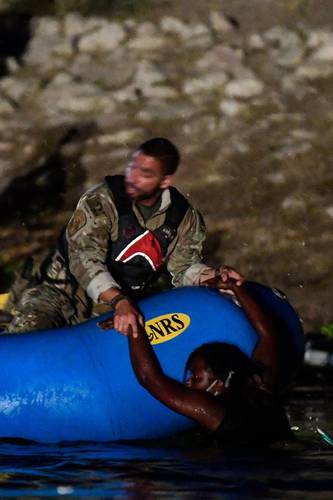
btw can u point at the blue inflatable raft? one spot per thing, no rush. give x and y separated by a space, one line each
76 383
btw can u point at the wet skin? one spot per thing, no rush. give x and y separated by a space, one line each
201 375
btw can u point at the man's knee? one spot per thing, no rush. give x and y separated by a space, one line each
40 308
28 322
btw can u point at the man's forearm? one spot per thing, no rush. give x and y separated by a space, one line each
101 283
192 275
109 294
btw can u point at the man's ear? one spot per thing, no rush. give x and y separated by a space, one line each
166 181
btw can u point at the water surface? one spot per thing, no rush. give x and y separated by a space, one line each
154 470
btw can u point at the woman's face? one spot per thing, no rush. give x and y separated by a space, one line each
201 375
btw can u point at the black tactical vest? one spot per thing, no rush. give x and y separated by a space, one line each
138 253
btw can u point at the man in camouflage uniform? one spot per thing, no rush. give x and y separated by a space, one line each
122 233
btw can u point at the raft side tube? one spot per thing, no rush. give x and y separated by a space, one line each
77 383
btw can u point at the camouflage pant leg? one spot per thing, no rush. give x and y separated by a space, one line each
42 307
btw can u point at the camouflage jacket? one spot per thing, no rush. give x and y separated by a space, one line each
94 224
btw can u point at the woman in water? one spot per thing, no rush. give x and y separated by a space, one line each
231 396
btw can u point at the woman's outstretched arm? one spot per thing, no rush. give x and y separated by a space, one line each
266 351
198 405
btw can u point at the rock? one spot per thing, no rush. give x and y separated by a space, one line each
147 38
6 147
302 135
104 39
147 43
47 42
75 98
179 111
45 27
150 82
41 51
74 25
147 74
294 204
199 36
5 107
241 148
290 57
207 83
93 23
146 29
128 94
198 128
83 104
63 49
329 211
213 179
288 49
319 37
324 53
197 30
276 178
122 137
175 26
240 72
160 92
12 65
286 117
133 93
130 25
256 42
292 84
244 88
286 150
17 89
110 72
192 35
61 80
230 107
221 58
282 36
220 23
313 70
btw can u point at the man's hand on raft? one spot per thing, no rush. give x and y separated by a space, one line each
222 278
125 318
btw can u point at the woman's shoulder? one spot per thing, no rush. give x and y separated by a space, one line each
253 417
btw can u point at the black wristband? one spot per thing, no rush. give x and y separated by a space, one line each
117 299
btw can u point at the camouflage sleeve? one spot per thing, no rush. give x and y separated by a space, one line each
185 259
88 236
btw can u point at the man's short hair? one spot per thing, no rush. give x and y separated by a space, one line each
164 151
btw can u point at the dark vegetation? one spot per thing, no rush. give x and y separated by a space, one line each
85 7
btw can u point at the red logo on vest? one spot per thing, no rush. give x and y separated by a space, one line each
146 245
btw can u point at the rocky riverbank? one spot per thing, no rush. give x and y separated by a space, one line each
248 100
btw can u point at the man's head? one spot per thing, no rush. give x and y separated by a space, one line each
164 151
151 169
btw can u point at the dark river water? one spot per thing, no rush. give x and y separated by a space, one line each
117 470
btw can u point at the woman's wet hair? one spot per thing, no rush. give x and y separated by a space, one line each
164 151
227 362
